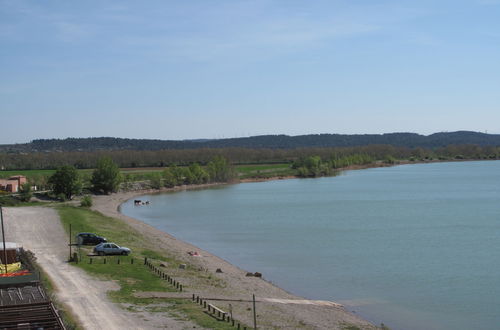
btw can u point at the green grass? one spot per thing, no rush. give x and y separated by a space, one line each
130 277
244 172
264 170
32 174
27 173
133 277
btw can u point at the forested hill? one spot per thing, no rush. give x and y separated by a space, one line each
410 140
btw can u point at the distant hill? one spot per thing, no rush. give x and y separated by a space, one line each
410 140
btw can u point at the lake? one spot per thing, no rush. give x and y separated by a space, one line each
413 246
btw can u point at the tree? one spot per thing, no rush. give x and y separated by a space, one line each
220 170
155 180
25 194
169 179
198 174
66 181
106 177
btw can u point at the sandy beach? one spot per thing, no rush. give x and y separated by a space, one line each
276 308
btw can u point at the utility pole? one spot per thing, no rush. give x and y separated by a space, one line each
3 239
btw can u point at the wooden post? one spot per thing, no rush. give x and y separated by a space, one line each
145 260
180 287
104 260
193 297
132 261
254 315
118 261
69 240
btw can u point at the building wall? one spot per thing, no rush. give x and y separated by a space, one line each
13 183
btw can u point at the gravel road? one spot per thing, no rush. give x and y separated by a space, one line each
39 229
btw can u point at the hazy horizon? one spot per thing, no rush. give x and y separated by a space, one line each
235 137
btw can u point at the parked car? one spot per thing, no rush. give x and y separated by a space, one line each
111 248
89 238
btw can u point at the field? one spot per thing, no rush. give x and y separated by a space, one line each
142 173
263 170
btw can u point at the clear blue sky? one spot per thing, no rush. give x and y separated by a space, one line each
213 69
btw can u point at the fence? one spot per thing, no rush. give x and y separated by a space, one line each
213 310
163 275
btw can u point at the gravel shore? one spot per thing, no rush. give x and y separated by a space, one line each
276 308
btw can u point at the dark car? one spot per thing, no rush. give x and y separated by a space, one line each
111 248
89 239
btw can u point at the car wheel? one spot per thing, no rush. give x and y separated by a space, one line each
101 253
124 253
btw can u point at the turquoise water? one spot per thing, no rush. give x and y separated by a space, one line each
414 246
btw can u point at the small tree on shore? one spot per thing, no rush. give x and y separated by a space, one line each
66 181
25 194
106 177
220 170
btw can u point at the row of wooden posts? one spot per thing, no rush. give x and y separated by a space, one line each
119 261
217 312
163 275
214 310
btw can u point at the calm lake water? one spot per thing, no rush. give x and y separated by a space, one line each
413 246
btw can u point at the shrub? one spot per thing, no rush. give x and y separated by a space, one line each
86 201
25 193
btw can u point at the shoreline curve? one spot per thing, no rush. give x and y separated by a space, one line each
237 285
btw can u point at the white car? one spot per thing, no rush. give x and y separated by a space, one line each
111 248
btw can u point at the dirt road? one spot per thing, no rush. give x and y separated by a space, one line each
38 229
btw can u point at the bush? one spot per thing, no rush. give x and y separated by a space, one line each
86 201
25 193
9 201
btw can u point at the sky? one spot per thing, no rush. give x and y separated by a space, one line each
218 69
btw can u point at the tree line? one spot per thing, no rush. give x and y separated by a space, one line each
409 140
106 178
166 158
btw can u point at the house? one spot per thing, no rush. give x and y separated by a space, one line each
12 184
